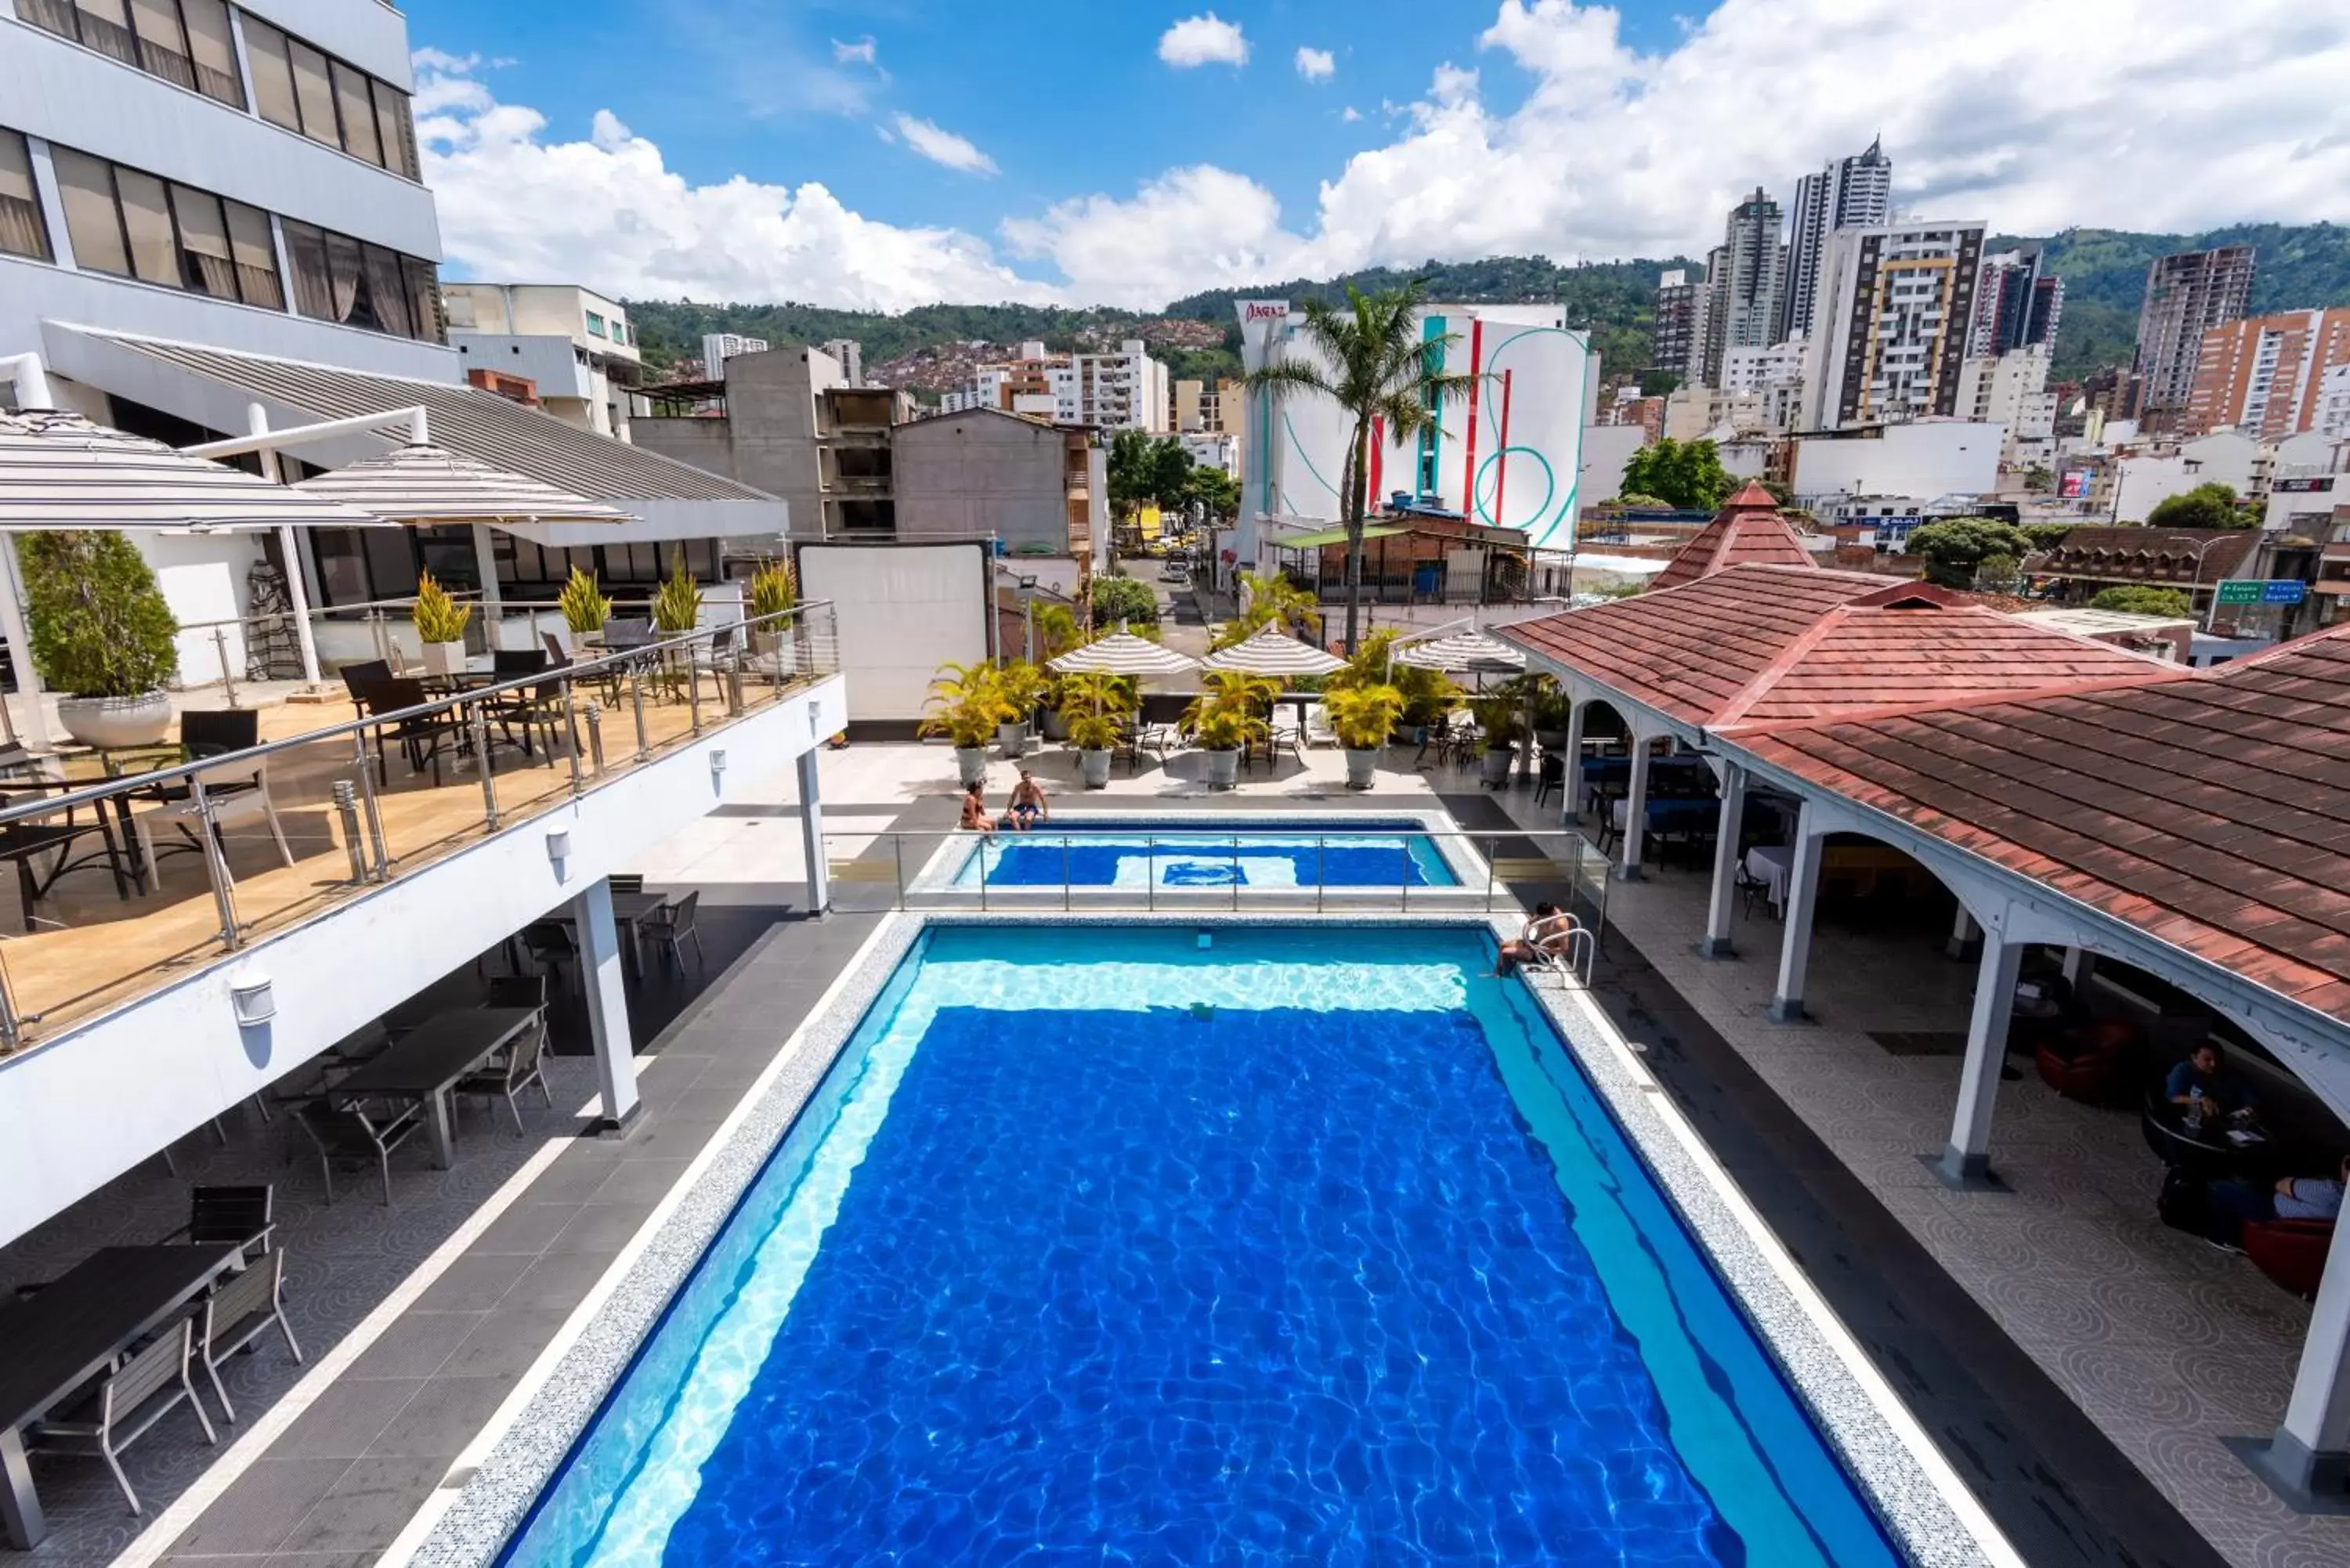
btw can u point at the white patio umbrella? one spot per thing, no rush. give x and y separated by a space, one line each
1123 653
1272 651
1467 651
420 482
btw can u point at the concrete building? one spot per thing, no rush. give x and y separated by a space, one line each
249 181
1126 389
1678 346
1922 462
1041 489
850 355
574 346
1763 386
2018 304
2011 391
717 348
2187 294
1749 292
1207 449
761 432
1895 306
1854 192
2266 374
2332 416
2137 480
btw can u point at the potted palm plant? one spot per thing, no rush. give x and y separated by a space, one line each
101 636
1362 717
584 607
1022 686
772 593
966 704
441 626
1096 737
1224 720
1497 715
1091 695
677 608
1551 714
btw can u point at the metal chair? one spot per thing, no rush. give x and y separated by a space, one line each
239 1216
551 944
127 1405
364 673
349 1133
240 1312
672 926
420 736
232 791
524 1065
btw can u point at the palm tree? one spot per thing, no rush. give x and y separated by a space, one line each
1273 601
1370 360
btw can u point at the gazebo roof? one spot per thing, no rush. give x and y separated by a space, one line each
1748 531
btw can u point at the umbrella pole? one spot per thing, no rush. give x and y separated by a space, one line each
20 650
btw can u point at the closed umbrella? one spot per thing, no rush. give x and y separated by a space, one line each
1272 651
420 482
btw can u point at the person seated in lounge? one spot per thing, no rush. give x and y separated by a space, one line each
1028 804
974 810
2205 1089
1546 934
2236 1203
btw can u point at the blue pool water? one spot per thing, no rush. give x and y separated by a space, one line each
1104 852
1099 1247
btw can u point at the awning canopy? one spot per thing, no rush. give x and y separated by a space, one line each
1272 651
1334 536
420 482
57 470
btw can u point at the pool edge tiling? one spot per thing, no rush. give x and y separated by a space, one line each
1922 1505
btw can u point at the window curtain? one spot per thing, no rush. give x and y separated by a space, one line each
386 290
147 218
255 255
203 242
350 306
272 74
424 298
213 49
314 287
361 137
163 47
21 233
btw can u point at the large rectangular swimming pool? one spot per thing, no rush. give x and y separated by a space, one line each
1105 1244
1270 852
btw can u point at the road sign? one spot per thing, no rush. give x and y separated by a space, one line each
2283 592
2253 591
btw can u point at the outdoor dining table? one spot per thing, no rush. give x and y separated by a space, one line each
424 1064
628 910
1770 865
70 1332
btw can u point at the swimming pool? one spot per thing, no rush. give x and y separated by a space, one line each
1273 852
1099 1243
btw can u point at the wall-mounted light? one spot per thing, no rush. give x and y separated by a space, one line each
249 991
558 844
717 760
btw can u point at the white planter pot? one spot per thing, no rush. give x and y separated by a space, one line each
1361 766
444 658
970 765
1224 769
1056 724
1013 737
1094 768
140 720
1496 768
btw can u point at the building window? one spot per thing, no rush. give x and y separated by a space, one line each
21 232
183 41
306 90
349 281
135 225
596 326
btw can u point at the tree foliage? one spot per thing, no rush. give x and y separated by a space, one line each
2047 535
1119 599
2209 505
1684 474
1956 550
1147 470
98 624
2136 598
1218 491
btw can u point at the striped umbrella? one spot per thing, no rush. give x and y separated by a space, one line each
421 483
1272 651
1464 650
57 470
1123 653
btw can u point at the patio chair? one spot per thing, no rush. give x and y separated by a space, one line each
1549 774
507 663
349 1133
238 1216
361 674
672 926
235 791
247 1306
2290 1252
523 1065
522 715
550 943
1315 731
420 737
126 1405
30 840
557 654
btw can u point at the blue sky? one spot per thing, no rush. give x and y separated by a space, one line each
774 150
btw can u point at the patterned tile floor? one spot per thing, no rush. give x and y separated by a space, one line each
2167 1344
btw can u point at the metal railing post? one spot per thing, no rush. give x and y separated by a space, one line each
735 687
692 687
898 855
1150 872
347 810
1403 880
1236 873
637 700
481 758
594 715
215 865
11 1028
368 805
984 840
1489 874
1321 870
571 730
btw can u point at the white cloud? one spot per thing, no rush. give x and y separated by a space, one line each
607 211
1350 114
944 146
864 52
1315 65
1203 40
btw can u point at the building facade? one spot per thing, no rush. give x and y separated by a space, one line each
1895 306
1040 489
717 348
239 175
1854 192
850 355
2187 294
1750 293
2018 304
2266 374
575 345
1680 339
1126 389
2011 391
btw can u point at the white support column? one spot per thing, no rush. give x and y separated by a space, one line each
485 564
604 987
1966 937
36 731
1725 864
2308 1461
1796 941
1570 791
1965 1165
1635 808
819 884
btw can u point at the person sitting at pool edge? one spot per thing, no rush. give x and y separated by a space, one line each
2203 1083
1028 806
974 809
1547 932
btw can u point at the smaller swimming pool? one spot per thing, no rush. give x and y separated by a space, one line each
1283 851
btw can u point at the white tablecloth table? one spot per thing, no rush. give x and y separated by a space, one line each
1770 865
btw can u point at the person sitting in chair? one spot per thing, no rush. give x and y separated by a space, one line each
2236 1203
1546 935
2205 1089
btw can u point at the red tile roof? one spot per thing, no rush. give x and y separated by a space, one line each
1747 532
1766 644
2212 810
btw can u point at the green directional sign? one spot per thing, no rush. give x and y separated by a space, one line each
2242 591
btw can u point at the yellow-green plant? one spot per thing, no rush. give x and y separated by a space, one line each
1224 729
1022 686
1273 601
771 589
1058 630
1427 693
1092 732
439 617
1362 717
966 704
1226 715
1091 691
677 608
585 609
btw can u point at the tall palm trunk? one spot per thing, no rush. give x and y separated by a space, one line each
1350 505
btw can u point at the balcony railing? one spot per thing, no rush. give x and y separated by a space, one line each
133 866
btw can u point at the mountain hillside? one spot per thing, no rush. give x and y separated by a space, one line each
931 350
